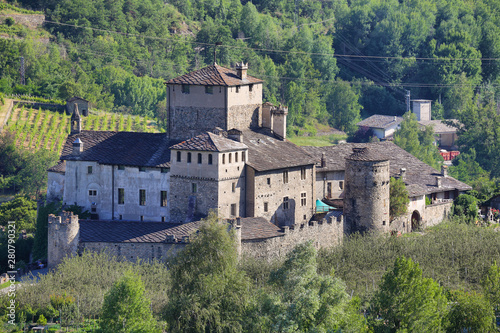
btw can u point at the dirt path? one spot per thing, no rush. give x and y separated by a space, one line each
5 112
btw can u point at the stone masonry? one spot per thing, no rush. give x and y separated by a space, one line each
63 235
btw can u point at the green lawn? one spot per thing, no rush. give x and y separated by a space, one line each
5 285
317 141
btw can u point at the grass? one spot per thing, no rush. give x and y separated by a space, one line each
317 141
5 285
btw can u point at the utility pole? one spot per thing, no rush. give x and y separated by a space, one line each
23 81
215 52
407 101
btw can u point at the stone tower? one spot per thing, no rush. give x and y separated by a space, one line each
366 195
76 121
64 234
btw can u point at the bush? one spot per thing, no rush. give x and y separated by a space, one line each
9 21
42 320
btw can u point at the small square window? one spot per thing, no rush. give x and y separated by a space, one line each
237 89
209 90
121 167
233 187
163 218
250 87
89 169
268 180
142 169
266 207
233 209
185 89
194 188
92 193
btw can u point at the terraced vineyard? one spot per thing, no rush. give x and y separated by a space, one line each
36 129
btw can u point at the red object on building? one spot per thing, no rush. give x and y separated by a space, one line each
449 155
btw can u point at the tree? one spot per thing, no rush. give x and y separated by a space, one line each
470 312
465 206
491 286
126 309
408 302
208 291
342 103
399 198
306 301
41 233
418 141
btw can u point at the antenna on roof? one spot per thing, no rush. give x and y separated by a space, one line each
215 52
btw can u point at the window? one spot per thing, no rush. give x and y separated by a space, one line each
223 158
285 177
120 217
189 158
329 190
178 156
233 209
200 158
194 188
209 90
121 167
237 89
268 180
243 156
236 157
285 203
303 200
89 169
121 196
210 160
92 193
185 89
230 157
341 184
163 198
250 87
142 220
164 170
163 218
142 169
302 173
142 197
266 207
233 187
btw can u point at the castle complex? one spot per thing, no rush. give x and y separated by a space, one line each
226 151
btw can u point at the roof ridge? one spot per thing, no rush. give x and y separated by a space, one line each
219 73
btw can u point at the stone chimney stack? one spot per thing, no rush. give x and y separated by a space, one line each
402 174
279 121
438 182
444 171
323 160
77 147
267 119
235 134
241 70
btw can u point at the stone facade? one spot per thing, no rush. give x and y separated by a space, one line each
191 121
63 237
31 21
329 185
323 234
366 200
55 186
98 188
135 251
83 106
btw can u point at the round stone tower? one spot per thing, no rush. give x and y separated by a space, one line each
63 234
366 194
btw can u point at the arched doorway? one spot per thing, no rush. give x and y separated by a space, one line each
415 221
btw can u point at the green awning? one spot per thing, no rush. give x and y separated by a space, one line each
322 207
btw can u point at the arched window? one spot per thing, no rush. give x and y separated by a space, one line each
199 158
178 156
189 158
210 159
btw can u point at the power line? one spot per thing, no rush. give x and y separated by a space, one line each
278 51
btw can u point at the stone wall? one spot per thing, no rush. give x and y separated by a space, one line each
63 237
187 121
333 180
436 213
244 116
31 21
324 234
37 105
135 251
83 107
186 205
55 186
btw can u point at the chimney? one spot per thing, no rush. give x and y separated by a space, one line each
77 147
395 118
241 70
267 119
279 121
323 160
438 182
218 131
402 174
444 171
235 134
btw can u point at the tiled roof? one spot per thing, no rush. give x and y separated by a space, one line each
253 228
121 148
380 121
75 98
439 126
213 75
267 152
60 167
420 177
209 142
367 155
135 232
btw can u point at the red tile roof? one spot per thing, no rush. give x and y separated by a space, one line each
214 75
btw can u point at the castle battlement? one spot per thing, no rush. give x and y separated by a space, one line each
64 218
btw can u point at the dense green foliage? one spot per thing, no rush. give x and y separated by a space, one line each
418 141
465 207
408 302
398 196
470 312
125 309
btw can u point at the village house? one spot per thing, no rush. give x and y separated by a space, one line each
226 151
